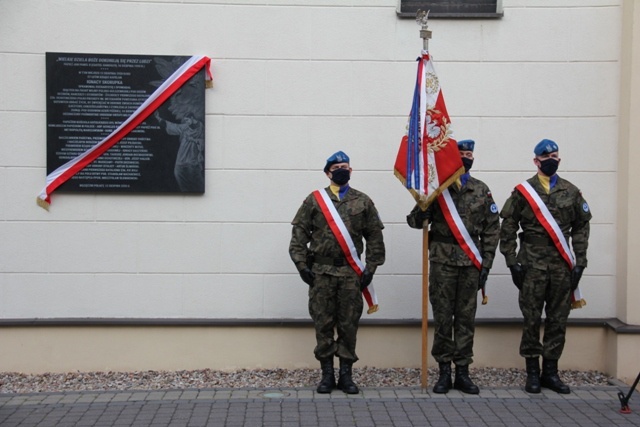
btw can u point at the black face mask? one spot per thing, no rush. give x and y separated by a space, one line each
549 166
467 163
341 176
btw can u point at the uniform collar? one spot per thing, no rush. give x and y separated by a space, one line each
555 182
338 193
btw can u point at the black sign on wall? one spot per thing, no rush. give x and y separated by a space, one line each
90 95
451 8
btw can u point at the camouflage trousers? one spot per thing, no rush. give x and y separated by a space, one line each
453 293
335 304
549 289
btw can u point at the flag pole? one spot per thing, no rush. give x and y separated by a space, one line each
425 305
421 19
425 33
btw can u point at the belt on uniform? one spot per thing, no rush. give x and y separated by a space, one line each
441 238
324 260
538 241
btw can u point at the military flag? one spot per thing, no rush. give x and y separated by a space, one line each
428 160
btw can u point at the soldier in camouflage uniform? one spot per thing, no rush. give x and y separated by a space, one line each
335 289
454 280
542 276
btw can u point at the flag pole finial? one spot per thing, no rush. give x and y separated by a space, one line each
422 19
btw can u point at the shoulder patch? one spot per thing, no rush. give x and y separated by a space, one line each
494 208
585 207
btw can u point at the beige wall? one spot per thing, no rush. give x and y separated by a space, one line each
622 349
628 273
60 349
134 348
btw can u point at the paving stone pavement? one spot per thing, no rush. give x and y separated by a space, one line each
373 407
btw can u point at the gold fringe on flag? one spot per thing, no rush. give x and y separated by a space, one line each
485 300
43 203
578 304
420 199
372 309
208 84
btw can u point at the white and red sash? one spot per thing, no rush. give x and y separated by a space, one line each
460 232
187 70
550 225
343 237
458 229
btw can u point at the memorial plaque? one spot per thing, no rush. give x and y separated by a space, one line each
90 95
451 8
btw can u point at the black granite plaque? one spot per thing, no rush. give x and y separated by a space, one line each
90 95
450 8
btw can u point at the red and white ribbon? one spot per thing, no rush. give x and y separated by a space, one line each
549 223
345 241
458 229
187 70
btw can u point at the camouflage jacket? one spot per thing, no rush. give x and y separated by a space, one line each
311 234
571 212
479 214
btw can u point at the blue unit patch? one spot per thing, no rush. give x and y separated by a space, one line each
585 207
494 208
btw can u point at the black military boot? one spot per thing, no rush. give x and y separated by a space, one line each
345 382
443 385
533 375
463 382
328 381
550 379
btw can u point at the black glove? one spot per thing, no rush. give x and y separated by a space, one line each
417 217
484 275
517 275
307 276
366 279
576 274
424 215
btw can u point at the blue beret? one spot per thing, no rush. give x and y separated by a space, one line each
545 146
466 145
337 157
